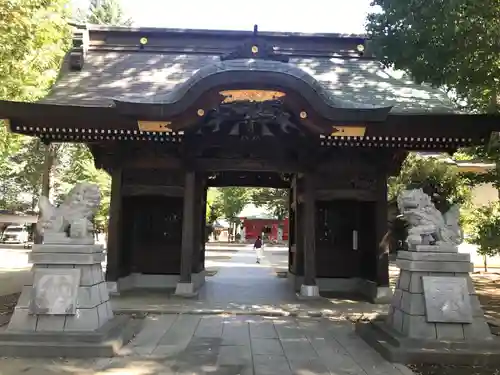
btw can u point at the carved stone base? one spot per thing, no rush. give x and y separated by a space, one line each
461 315
434 310
383 295
396 347
103 342
185 290
309 291
36 310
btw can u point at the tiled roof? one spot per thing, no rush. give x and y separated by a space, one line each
107 75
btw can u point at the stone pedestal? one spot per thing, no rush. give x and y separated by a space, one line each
65 311
309 292
435 315
80 265
434 297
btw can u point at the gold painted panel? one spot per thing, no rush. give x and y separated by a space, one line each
231 96
154 126
348 131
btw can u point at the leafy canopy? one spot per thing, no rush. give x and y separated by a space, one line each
440 180
273 199
484 224
34 36
231 201
450 43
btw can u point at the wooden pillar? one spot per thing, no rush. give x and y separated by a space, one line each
382 252
203 225
188 227
199 223
309 232
113 248
298 227
291 228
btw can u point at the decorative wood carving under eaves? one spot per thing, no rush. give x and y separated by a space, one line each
255 49
251 120
79 49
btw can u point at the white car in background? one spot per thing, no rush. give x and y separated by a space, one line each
15 234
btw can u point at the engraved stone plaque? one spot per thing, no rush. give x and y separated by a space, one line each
54 291
447 299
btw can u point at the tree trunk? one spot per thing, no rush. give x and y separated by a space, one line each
48 162
485 262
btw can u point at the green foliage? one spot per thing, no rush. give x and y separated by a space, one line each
441 181
214 208
231 201
484 224
273 199
76 164
104 12
450 43
34 36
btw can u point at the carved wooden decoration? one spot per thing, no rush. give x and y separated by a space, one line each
348 131
231 96
251 120
154 126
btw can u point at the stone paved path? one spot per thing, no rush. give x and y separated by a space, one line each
235 345
243 287
240 279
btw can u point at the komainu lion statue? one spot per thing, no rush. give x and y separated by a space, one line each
427 226
70 221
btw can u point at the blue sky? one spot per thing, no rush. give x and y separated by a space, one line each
332 16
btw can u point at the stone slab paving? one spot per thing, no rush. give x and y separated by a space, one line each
243 287
229 345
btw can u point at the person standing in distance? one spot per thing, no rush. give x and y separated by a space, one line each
257 246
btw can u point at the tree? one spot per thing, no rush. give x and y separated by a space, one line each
34 36
484 223
275 200
214 208
441 181
450 44
232 200
76 164
104 12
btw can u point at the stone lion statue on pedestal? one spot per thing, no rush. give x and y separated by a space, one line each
427 225
70 221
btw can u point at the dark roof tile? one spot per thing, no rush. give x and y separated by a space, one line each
108 75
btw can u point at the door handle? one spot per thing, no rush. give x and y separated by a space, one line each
355 240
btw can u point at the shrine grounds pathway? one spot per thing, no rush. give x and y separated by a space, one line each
260 329
228 345
243 287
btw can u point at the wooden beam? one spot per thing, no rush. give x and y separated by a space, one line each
137 190
242 165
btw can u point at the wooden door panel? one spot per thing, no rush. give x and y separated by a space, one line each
154 234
